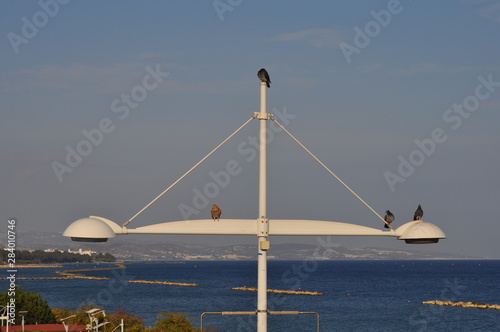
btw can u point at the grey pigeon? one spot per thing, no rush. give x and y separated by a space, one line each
418 213
264 77
389 217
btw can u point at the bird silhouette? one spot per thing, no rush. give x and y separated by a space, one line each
418 213
389 218
216 212
264 77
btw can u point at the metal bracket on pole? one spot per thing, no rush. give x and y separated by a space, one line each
262 227
267 116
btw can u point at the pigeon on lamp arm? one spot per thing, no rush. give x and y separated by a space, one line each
215 212
389 218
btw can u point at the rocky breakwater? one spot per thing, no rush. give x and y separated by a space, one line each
464 304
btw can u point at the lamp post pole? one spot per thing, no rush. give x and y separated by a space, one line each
7 314
262 221
23 313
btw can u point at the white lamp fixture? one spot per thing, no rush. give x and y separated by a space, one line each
420 232
98 229
89 230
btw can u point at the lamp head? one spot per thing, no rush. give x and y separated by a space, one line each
89 230
420 232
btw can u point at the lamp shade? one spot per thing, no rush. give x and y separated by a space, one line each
420 232
89 230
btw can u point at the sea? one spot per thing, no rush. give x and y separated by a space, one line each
357 295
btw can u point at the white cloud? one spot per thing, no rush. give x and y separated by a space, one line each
108 79
371 67
319 38
111 79
428 68
490 12
96 79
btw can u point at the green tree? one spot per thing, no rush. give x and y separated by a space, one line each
173 322
132 323
60 313
107 257
38 309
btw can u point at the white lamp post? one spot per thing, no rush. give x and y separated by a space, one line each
93 314
63 320
98 229
4 315
23 314
262 221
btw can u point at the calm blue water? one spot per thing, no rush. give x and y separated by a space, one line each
359 295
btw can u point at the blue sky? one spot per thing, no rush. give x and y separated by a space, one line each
408 115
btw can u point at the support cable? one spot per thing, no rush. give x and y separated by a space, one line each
192 168
329 171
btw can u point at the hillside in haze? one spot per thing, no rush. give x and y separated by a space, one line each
133 250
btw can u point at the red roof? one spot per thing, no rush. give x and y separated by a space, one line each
45 328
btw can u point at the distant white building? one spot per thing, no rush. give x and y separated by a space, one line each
82 252
51 250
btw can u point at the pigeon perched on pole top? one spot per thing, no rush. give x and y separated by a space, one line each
389 217
264 77
216 212
418 213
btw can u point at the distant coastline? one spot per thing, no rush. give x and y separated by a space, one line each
19 258
178 252
23 266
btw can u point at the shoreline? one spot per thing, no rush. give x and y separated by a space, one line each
22 266
51 265
59 265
